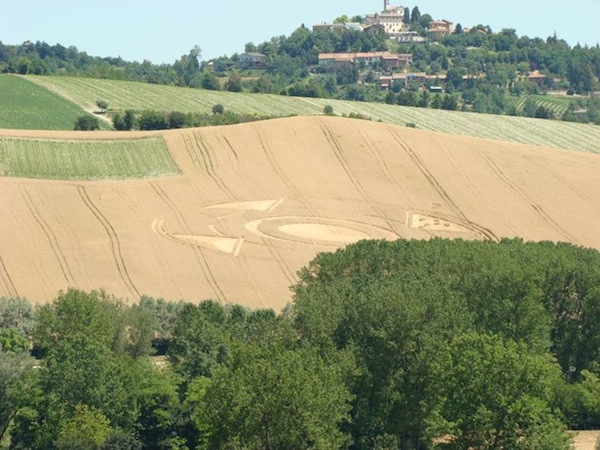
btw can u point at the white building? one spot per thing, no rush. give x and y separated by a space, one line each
391 18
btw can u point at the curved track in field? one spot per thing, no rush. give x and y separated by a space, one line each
254 203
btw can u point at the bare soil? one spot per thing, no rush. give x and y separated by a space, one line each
256 202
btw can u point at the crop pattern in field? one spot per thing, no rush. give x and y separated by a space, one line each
122 95
85 160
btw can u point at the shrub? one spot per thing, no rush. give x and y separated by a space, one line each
218 109
86 123
328 110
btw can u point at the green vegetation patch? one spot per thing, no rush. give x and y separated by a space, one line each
28 106
85 160
123 95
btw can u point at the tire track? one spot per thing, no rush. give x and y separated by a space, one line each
50 236
276 168
210 165
339 154
115 244
199 255
463 219
568 185
7 280
539 211
189 147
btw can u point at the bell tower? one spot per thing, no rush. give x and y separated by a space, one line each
386 5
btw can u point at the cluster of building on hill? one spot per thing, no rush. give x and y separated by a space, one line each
394 68
392 21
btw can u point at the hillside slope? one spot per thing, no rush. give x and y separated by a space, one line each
256 202
122 95
26 105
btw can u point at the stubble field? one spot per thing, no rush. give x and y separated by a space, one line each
254 203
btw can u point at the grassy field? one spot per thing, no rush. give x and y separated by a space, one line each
85 160
26 105
556 105
122 95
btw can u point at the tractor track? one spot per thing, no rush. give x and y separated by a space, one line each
7 280
199 255
50 236
539 211
115 244
462 218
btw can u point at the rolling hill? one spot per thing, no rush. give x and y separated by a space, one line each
122 95
28 106
256 202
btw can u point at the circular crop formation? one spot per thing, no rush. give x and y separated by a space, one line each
317 230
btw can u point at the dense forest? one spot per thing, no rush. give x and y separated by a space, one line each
386 345
484 71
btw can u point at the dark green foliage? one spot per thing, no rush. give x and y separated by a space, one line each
86 123
273 397
218 109
328 110
495 395
102 105
152 120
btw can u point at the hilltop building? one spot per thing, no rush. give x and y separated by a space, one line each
440 27
386 60
391 18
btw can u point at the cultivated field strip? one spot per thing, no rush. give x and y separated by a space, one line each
139 96
85 160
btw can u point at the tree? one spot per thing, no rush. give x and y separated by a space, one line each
12 368
234 84
274 398
152 120
328 110
88 429
515 413
415 15
218 109
406 18
86 123
210 81
102 105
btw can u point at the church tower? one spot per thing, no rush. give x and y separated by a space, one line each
386 5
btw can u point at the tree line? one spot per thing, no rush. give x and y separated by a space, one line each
486 72
386 345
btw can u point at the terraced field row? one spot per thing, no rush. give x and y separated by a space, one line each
557 106
123 95
85 160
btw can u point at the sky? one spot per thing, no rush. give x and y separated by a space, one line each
162 31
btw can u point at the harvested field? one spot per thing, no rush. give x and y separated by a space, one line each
256 202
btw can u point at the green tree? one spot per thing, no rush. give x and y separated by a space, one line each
86 123
210 81
218 109
274 398
514 413
12 368
86 430
234 84
102 105
415 15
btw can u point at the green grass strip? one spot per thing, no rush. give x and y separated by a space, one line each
85 160
28 106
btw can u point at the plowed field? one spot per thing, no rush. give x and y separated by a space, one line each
256 202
